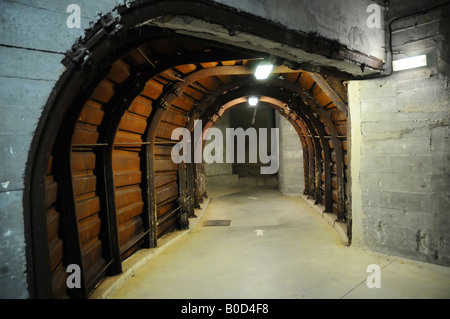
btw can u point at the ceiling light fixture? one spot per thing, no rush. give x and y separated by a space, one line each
262 71
253 101
409 63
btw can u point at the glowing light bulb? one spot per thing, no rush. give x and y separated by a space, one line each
262 71
253 101
409 63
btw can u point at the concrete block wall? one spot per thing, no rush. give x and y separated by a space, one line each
252 118
33 39
400 150
221 174
241 174
291 180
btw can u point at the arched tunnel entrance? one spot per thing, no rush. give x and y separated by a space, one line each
252 137
102 182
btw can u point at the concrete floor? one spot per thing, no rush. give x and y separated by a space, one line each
275 247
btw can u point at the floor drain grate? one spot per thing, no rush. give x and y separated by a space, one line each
217 222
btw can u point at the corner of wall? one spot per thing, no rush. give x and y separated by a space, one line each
354 105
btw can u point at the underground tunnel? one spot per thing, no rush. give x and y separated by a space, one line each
99 183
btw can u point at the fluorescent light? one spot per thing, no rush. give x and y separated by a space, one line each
263 71
252 101
410 63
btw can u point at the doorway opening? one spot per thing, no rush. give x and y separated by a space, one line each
255 123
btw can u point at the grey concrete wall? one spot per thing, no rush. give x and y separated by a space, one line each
220 174
291 180
33 39
242 174
344 21
248 117
401 151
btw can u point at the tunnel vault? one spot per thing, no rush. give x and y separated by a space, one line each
101 181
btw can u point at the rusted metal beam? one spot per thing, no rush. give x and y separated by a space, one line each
182 218
66 202
248 23
330 92
190 189
169 215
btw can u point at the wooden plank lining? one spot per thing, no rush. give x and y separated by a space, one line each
142 106
166 192
84 184
82 161
87 207
165 165
128 195
129 230
128 212
91 113
124 178
133 123
119 72
89 228
123 162
103 92
59 285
